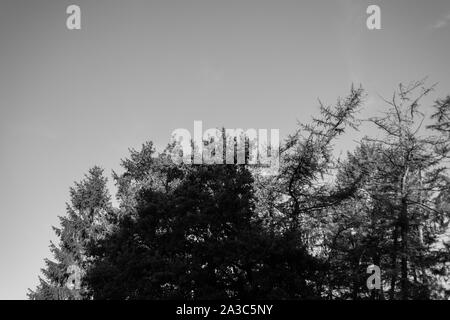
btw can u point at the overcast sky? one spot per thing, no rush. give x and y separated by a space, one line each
137 70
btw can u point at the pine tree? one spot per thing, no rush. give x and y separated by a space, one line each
136 176
88 219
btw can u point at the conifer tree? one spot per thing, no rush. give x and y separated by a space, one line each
88 219
399 222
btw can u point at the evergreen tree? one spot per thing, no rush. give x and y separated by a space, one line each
196 235
88 219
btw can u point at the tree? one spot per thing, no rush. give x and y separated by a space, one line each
399 222
194 234
88 218
416 176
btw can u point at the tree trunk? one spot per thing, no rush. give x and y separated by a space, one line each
404 249
394 263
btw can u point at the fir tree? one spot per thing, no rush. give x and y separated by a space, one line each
88 219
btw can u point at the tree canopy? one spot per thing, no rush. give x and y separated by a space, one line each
226 231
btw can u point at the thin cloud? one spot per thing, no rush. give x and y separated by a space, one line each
441 23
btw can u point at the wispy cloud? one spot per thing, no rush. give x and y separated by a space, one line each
442 22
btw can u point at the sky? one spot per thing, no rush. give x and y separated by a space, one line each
137 70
